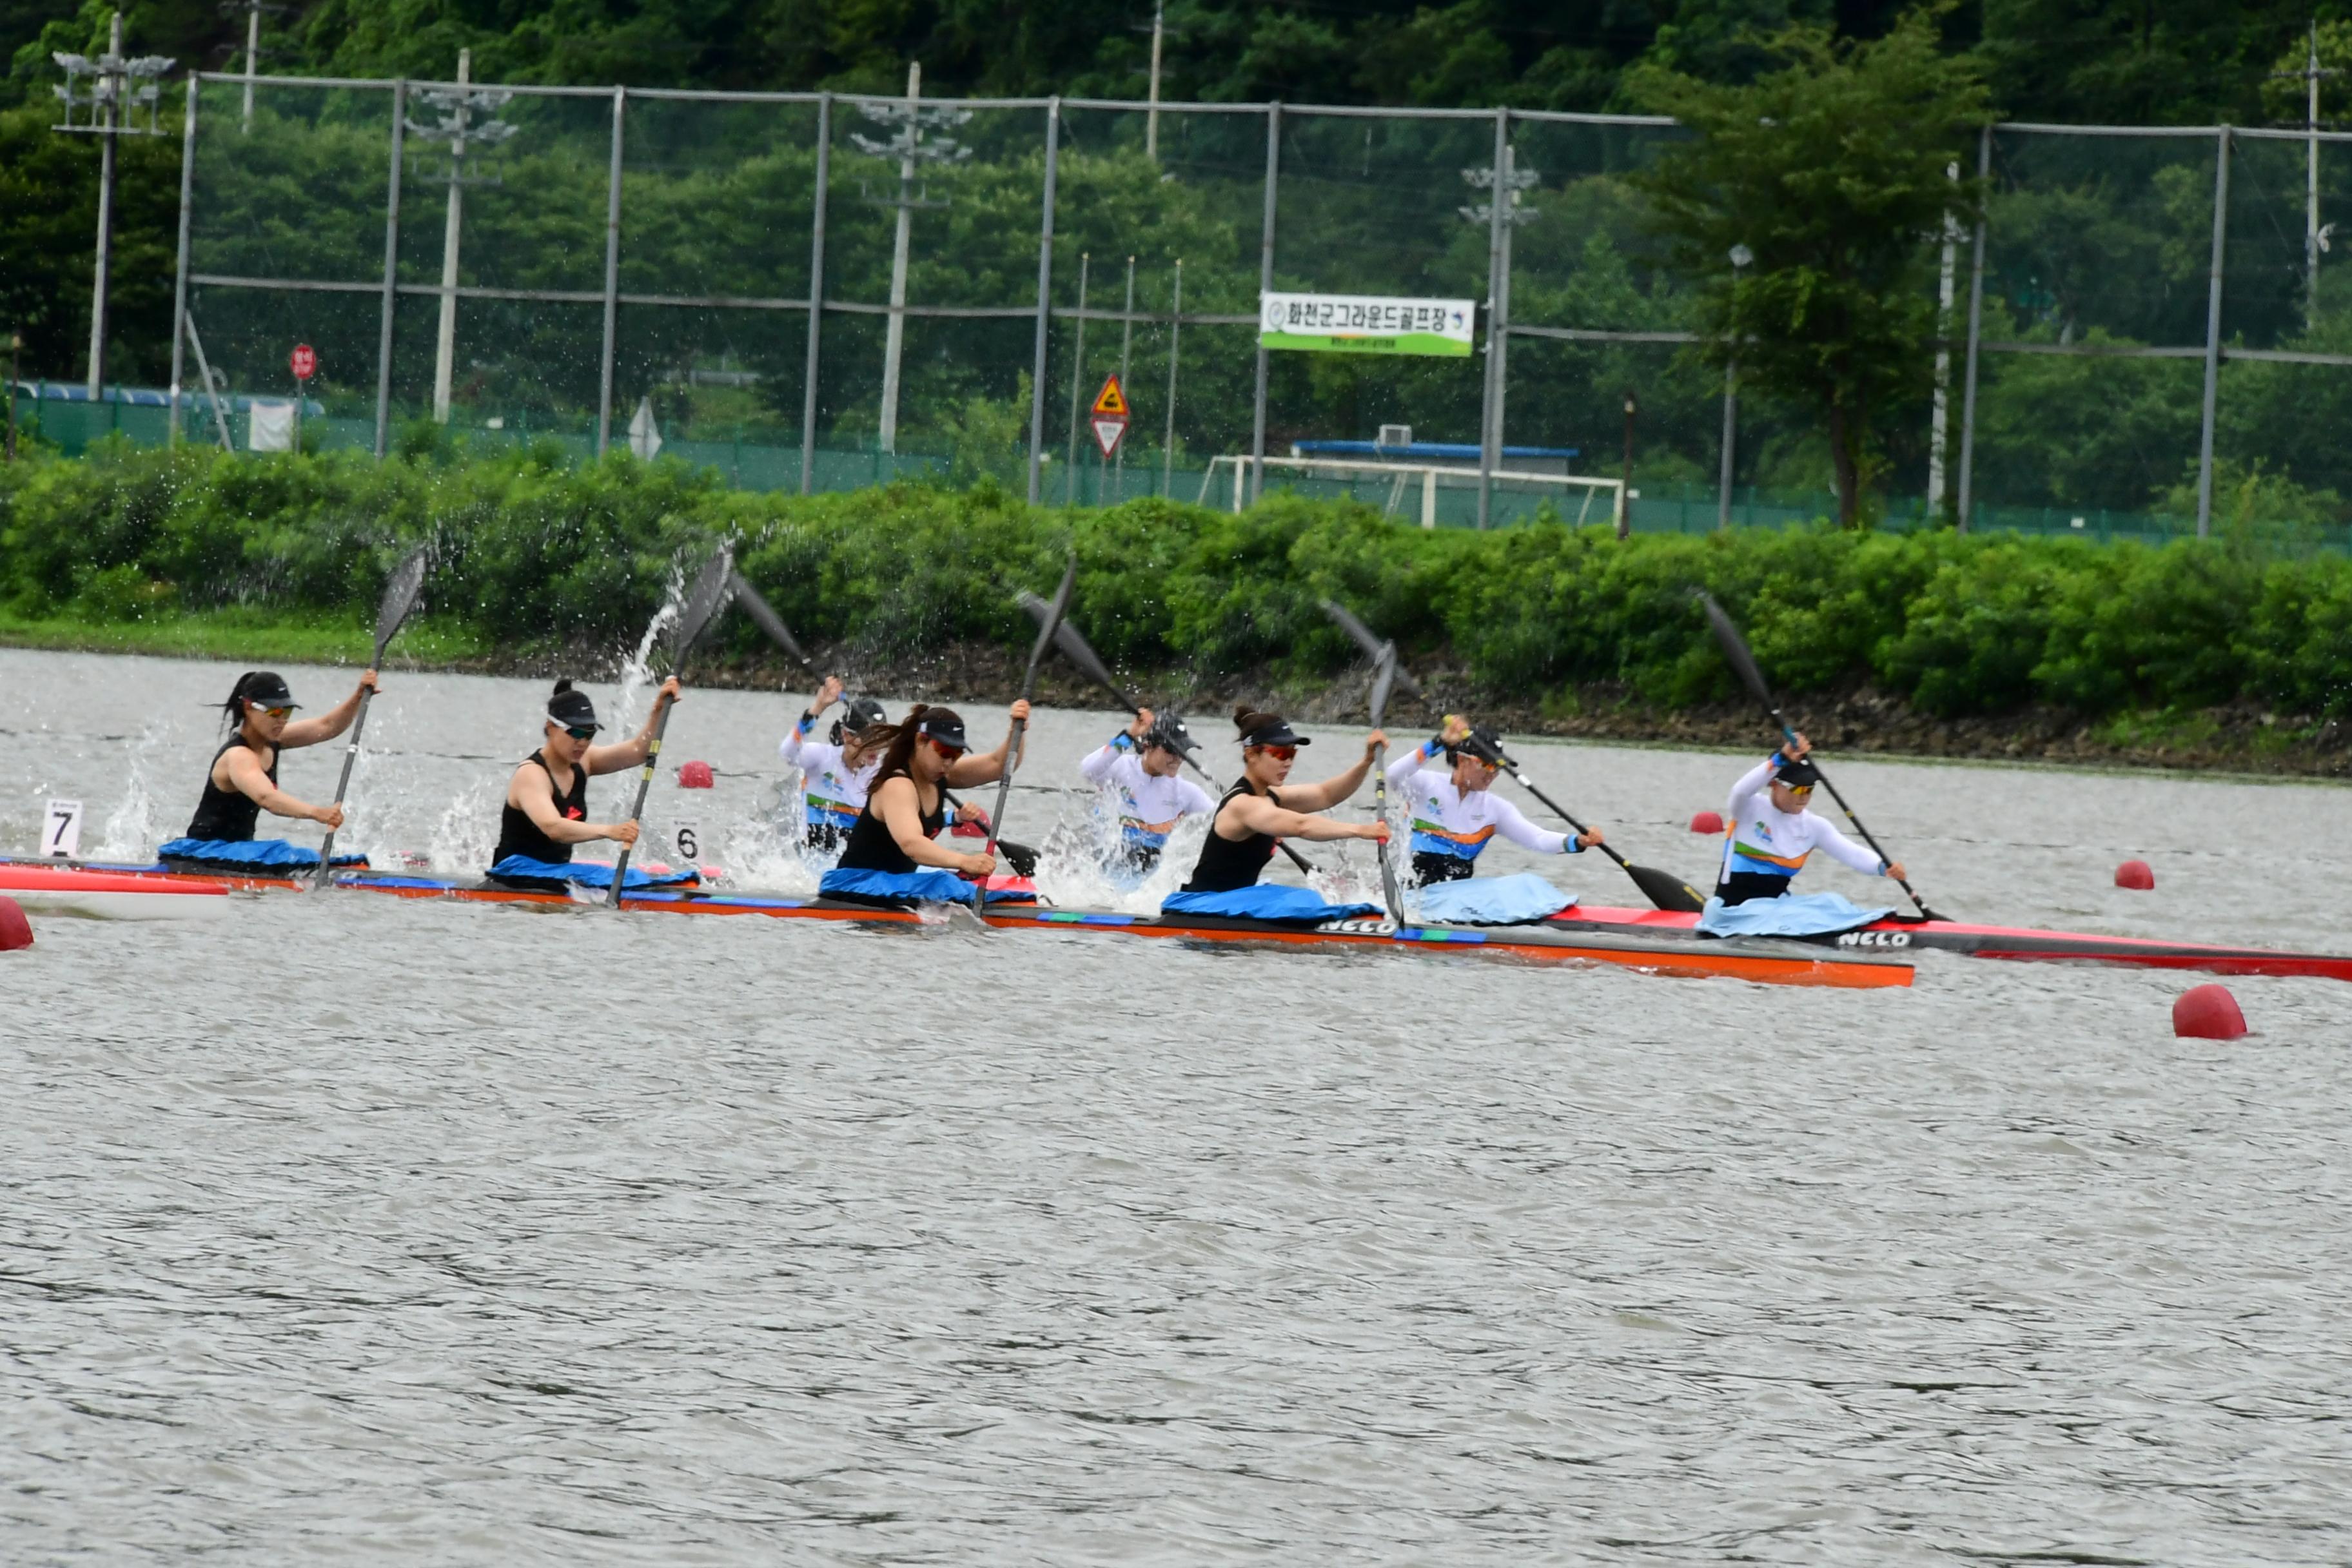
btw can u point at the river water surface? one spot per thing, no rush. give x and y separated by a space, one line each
353 1229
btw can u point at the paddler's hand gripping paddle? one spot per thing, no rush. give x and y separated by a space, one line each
399 593
702 602
1743 665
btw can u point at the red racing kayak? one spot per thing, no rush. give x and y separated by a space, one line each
1894 934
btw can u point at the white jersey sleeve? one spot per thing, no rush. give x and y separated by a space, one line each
1513 825
1845 850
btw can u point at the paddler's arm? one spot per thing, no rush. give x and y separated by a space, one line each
1513 825
1332 791
244 771
1096 765
1849 854
1259 815
1400 772
896 803
629 753
987 768
330 725
797 736
533 792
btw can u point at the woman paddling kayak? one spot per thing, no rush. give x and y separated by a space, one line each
1770 832
890 859
546 810
1262 808
837 772
1456 813
1138 767
242 783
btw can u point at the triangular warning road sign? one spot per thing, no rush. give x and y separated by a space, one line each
1112 398
1109 430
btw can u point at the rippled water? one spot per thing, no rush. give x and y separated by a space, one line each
353 1229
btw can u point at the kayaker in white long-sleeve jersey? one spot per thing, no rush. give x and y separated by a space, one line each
837 772
1138 767
1769 832
1456 813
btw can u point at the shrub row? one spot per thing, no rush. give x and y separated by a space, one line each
535 554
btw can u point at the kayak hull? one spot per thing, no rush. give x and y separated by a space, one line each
1765 963
2016 943
48 888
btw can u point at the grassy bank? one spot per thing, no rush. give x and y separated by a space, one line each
2218 650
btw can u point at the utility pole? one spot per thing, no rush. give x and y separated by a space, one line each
16 354
1945 292
1126 348
2315 238
465 118
908 122
119 87
1740 258
1500 216
253 50
1625 482
1151 115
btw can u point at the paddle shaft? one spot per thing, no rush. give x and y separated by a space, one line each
343 785
1561 812
1910 891
644 783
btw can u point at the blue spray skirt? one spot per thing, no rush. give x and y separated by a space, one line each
1266 901
248 855
905 890
556 876
1791 914
1521 898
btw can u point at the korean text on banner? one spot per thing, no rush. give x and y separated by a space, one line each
1366 324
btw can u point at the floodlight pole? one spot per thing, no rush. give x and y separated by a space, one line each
1151 115
180 264
894 339
444 336
113 98
1497 224
1044 301
1265 287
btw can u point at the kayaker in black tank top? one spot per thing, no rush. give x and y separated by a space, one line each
242 782
1262 808
546 810
928 755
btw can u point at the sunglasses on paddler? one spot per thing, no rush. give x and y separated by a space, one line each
1280 753
947 753
580 732
281 710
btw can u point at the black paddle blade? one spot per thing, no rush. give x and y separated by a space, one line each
763 616
1020 856
1052 619
1735 648
1372 644
1076 648
1665 890
400 592
710 589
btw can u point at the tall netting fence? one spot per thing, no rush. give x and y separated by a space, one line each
816 292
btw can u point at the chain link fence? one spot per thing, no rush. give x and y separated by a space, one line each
818 292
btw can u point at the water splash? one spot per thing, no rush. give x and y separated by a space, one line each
129 833
636 669
463 839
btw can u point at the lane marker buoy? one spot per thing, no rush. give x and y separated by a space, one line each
15 930
695 775
1707 822
2136 876
2207 1012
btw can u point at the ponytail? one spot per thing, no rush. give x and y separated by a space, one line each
235 707
898 741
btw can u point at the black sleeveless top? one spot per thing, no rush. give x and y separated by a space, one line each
1228 863
228 814
519 835
871 846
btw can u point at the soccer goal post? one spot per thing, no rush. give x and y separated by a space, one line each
1430 492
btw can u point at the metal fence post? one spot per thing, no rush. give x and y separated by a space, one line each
612 277
1498 216
1264 285
180 275
391 273
816 292
1976 337
1077 369
1044 292
2212 335
1175 343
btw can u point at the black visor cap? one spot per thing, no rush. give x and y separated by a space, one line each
573 710
1276 731
1798 775
268 688
946 731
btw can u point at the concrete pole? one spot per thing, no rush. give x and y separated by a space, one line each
1939 421
1045 300
612 277
1151 115
105 219
894 339
2212 335
252 55
1265 287
1740 256
816 292
1126 351
1175 341
1497 220
2311 189
1976 338
444 337
179 268
391 273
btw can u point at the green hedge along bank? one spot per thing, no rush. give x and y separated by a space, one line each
2231 650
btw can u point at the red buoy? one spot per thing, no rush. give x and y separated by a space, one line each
2207 1013
1707 822
15 930
2136 874
694 775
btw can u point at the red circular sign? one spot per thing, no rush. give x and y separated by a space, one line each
305 360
